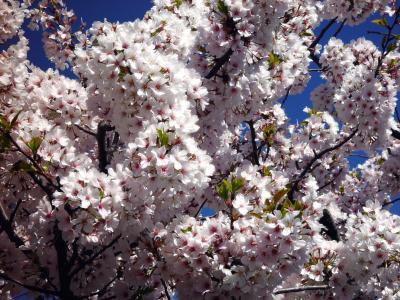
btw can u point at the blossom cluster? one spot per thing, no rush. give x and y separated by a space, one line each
104 178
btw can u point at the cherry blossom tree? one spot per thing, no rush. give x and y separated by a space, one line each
103 177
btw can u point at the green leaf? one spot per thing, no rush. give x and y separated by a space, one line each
380 161
273 60
101 194
269 132
304 123
279 194
15 118
222 190
122 73
391 47
34 144
392 63
210 251
397 37
222 8
237 184
266 171
305 33
269 207
298 205
341 189
163 138
157 31
314 112
4 124
381 22
5 143
186 230
178 3
256 215
22 166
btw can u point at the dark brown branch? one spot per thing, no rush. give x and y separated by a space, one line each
321 34
103 290
6 225
396 134
63 265
330 181
386 41
27 286
391 202
340 28
34 163
14 212
200 208
286 95
317 156
219 62
165 289
329 223
89 132
94 256
101 135
311 48
315 59
301 289
253 142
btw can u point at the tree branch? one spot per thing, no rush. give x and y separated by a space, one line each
219 62
101 135
27 286
94 256
5 224
14 212
301 289
321 34
200 208
329 223
330 181
386 41
165 289
89 132
340 28
391 202
294 186
253 142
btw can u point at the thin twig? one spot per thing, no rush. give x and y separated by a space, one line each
219 62
301 289
35 164
386 41
89 132
7 227
253 142
322 33
391 202
330 181
27 286
14 212
200 208
286 95
317 156
340 28
165 289
93 257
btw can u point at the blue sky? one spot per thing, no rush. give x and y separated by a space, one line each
129 10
